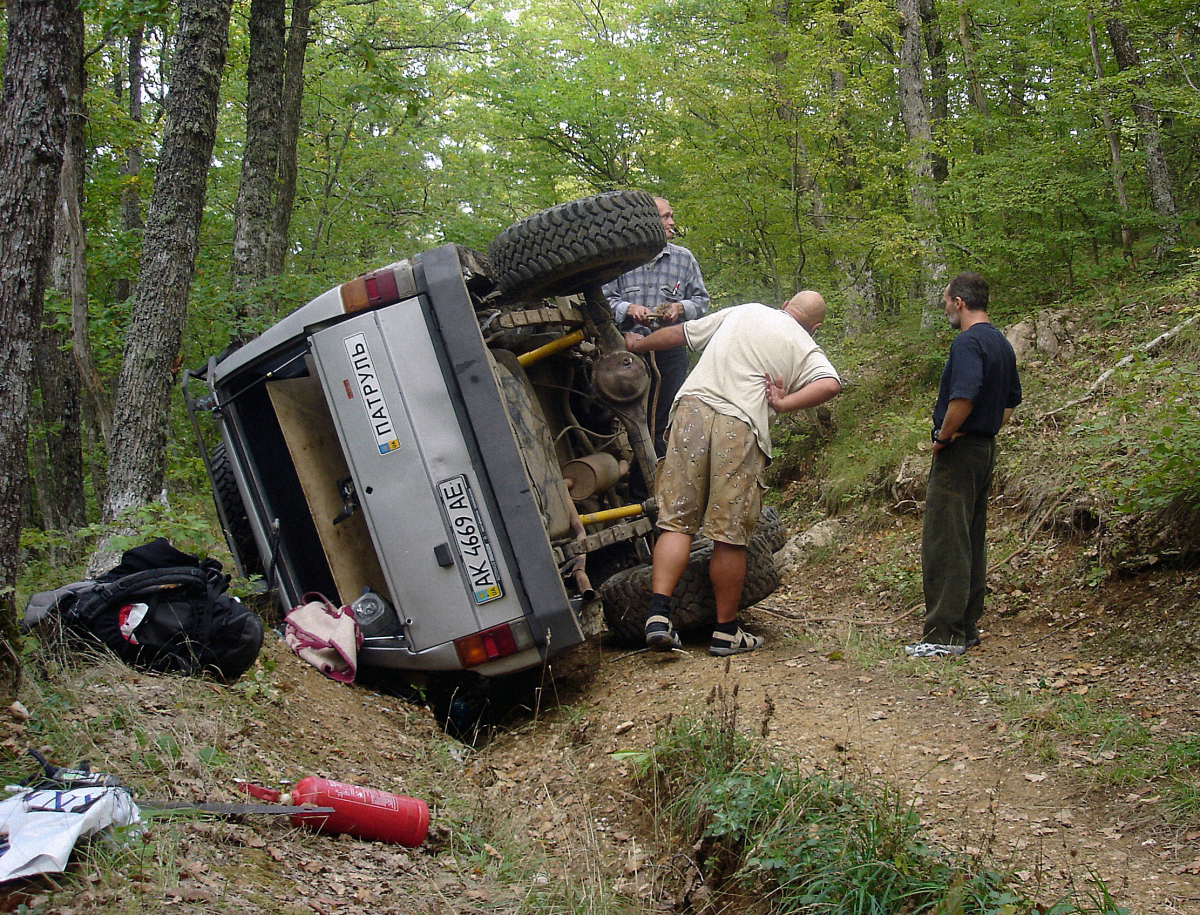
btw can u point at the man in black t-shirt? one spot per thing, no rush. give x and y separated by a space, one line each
978 392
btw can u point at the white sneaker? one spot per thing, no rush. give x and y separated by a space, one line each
933 650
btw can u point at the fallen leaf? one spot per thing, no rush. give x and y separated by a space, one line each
253 840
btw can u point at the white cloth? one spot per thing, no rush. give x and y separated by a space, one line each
741 346
43 826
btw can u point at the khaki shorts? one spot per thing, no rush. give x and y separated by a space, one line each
710 480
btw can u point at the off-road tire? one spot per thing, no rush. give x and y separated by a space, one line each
566 248
626 594
771 528
229 500
469 707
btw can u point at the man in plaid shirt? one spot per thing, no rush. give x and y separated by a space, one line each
668 290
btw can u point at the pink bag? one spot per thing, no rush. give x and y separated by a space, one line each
325 636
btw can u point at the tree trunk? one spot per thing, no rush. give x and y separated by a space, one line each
861 296
915 114
81 346
131 197
159 309
63 500
939 83
99 395
978 99
260 157
61 493
42 36
1114 145
94 449
1158 174
289 138
37 491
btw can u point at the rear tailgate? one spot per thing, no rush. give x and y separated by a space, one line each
439 477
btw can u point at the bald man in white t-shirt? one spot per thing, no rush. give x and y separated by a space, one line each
754 360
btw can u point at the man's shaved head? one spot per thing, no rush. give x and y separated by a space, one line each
808 308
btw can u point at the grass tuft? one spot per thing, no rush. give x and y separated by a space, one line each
812 843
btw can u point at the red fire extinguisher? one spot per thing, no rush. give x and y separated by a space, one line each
363 812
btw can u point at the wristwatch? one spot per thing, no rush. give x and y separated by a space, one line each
938 441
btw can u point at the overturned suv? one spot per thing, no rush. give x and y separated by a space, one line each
445 445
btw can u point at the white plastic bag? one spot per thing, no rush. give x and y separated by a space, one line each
43 826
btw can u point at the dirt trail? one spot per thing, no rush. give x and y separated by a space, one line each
843 700
932 728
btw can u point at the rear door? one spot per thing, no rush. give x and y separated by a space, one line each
415 481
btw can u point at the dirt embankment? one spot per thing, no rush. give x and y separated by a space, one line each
1030 791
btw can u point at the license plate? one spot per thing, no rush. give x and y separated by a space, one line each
469 536
378 414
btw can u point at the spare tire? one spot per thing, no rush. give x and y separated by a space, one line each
626 595
771 528
566 248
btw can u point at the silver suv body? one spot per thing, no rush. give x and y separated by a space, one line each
444 444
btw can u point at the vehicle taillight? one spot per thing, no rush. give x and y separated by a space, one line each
490 644
370 290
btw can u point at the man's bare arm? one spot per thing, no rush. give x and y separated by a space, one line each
663 338
956 414
812 394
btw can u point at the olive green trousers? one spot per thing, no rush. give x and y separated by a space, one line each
953 539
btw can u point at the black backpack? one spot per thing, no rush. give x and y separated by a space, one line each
160 609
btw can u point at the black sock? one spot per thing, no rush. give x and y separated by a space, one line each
660 604
729 628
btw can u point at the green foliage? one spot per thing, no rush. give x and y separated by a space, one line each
155 754
895 572
1106 730
1118 749
881 417
773 130
1164 467
55 558
1158 466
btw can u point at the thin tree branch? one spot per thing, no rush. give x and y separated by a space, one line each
1151 348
